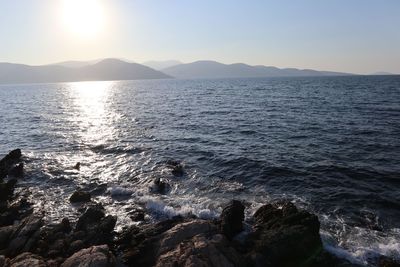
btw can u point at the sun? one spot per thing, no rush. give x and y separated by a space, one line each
83 18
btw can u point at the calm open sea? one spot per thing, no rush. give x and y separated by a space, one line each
332 145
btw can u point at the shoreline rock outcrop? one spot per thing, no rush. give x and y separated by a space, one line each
279 234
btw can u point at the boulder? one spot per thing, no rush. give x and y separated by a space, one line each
7 189
176 167
201 250
91 216
80 196
25 235
95 256
160 186
284 236
28 260
231 218
17 170
385 261
174 236
8 161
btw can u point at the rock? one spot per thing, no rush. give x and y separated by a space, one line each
80 196
76 246
28 260
7 189
77 166
5 235
171 238
3 261
160 186
200 250
385 261
96 256
137 215
92 215
232 217
17 171
8 161
65 225
284 236
25 236
177 168
140 244
96 227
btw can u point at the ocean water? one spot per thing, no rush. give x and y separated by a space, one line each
329 144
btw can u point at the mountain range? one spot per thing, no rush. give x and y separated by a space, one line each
117 69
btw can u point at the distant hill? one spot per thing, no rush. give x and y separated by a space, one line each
105 70
76 63
159 65
212 69
383 73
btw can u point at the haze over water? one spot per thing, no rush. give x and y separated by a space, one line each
329 144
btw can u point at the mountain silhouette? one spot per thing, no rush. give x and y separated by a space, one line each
104 70
213 69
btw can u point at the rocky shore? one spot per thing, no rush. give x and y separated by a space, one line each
278 234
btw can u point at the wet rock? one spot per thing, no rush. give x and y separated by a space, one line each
176 167
137 215
17 171
28 259
8 161
232 217
77 166
96 256
284 236
25 235
91 216
140 244
96 227
160 186
80 196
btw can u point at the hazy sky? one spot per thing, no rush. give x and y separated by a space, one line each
358 36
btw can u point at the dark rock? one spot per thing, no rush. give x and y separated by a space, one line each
8 161
160 186
285 236
25 236
77 166
80 196
92 215
76 246
96 256
17 171
28 259
5 235
7 189
137 215
140 244
176 167
65 225
232 217
385 261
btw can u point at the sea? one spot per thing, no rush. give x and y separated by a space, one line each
331 145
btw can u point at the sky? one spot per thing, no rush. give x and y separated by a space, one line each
358 36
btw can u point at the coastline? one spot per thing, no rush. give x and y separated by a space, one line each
278 234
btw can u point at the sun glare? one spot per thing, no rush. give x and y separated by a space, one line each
84 18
